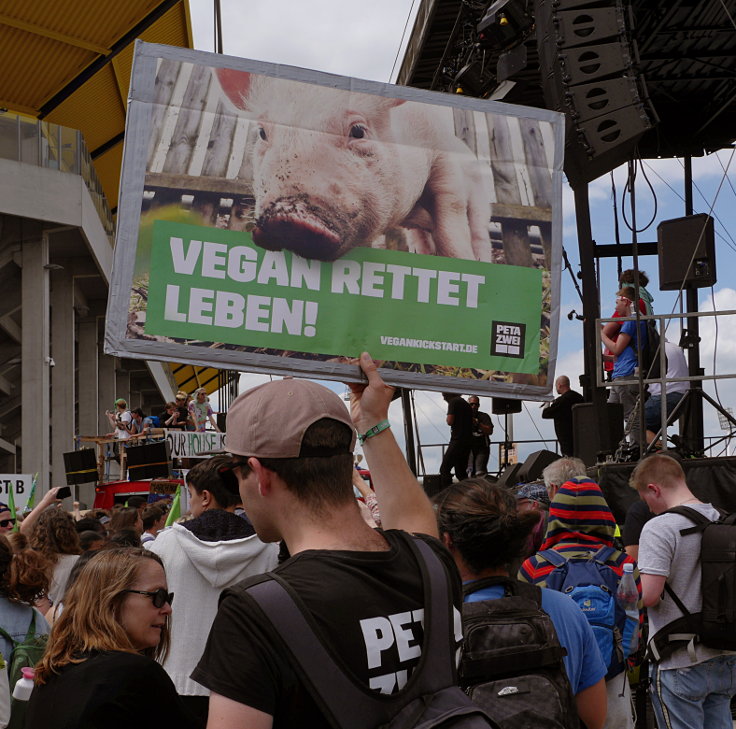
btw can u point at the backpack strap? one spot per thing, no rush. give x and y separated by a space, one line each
701 521
553 557
603 555
342 700
511 587
12 641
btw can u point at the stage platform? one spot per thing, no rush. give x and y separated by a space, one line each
710 479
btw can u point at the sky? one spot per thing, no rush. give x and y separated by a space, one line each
342 37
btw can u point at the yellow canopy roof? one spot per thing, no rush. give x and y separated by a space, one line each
189 378
69 62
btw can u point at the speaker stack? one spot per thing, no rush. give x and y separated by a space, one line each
597 431
505 406
80 466
588 64
152 460
687 253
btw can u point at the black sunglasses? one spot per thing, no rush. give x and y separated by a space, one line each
5 523
159 597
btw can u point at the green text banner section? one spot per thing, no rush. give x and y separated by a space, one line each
215 285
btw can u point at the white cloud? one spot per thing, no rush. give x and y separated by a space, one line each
327 35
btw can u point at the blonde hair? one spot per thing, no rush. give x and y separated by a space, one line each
657 468
91 617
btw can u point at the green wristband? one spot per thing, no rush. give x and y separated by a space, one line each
375 430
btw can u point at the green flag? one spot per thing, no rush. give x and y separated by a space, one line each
11 505
32 495
175 511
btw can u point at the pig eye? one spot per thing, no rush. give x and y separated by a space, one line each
357 131
262 133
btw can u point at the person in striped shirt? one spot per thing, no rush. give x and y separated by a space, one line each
580 522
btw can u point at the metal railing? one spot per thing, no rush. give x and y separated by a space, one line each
496 446
33 142
660 377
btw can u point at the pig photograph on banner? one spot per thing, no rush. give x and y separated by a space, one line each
281 220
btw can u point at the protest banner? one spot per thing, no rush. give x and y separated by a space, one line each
188 444
279 220
21 485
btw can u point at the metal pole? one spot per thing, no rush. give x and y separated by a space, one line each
693 427
218 27
411 455
591 308
635 251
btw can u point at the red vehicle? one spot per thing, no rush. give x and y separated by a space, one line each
117 492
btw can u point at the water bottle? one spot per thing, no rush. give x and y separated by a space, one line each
24 685
628 597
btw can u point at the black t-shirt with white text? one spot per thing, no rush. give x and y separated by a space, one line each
368 605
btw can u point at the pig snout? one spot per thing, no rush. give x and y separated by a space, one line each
297 224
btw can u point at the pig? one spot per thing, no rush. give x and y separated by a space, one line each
334 169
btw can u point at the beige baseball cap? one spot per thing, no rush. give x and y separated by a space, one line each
269 421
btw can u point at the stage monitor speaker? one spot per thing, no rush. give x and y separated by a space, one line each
152 460
531 469
221 418
588 67
510 476
687 252
80 466
596 431
432 484
505 406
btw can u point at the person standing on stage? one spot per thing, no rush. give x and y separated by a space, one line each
560 410
481 446
460 420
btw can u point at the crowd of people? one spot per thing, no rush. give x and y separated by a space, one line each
188 412
185 626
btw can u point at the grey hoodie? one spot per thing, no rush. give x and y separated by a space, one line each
197 571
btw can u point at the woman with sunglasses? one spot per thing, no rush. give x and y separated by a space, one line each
7 521
99 669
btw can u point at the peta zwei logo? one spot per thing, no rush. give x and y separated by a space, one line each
507 339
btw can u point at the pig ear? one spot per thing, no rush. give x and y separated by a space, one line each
387 102
235 84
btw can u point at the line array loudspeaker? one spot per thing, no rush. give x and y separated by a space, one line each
588 63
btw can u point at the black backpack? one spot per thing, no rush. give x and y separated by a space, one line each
512 659
431 697
651 353
715 625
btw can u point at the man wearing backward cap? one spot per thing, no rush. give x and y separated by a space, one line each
292 442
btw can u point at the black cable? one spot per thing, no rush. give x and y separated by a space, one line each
568 267
401 42
616 230
631 180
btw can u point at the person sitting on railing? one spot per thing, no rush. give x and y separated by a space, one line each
121 420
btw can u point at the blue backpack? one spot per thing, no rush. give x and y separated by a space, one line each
592 584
